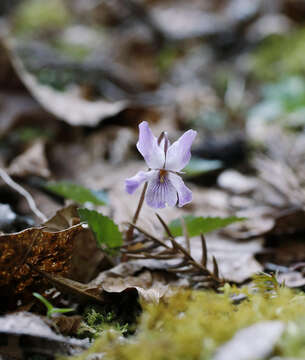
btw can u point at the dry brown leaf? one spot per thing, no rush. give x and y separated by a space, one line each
143 275
41 339
69 105
235 260
86 257
63 219
32 162
67 325
34 248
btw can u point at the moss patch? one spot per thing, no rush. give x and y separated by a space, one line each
193 324
97 320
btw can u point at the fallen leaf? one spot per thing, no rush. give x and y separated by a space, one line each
235 260
86 257
67 325
292 279
21 253
68 105
143 275
32 162
236 182
40 339
252 343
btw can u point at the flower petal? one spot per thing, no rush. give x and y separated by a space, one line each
159 193
184 193
179 153
149 148
134 182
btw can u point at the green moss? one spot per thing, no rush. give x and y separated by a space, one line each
280 55
36 15
192 324
98 320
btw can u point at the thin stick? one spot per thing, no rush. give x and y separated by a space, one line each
160 242
204 256
10 182
130 230
215 268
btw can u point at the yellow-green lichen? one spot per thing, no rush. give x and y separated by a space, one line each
193 324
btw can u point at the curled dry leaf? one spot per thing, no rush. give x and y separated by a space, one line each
86 257
151 285
32 248
69 105
67 325
32 162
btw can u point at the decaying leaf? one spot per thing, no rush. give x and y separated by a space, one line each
21 253
68 105
86 257
32 162
67 325
252 343
124 299
24 333
63 219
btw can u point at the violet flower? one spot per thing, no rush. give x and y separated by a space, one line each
165 163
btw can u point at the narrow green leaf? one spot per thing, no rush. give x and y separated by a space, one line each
198 166
197 225
106 231
78 193
51 310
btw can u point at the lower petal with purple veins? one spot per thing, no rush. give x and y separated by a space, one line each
160 191
184 193
134 182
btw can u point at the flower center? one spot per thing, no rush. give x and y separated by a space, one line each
162 175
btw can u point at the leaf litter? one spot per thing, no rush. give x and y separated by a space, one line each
69 138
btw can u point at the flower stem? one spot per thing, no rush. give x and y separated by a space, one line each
130 230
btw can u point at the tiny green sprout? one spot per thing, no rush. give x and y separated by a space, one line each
51 310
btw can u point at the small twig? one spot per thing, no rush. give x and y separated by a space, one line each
204 256
149 236
129 233
199 274
169 233
10 182
215 268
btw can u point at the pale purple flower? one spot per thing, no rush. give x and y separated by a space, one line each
165 162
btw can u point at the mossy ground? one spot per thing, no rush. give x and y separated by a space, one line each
193 324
